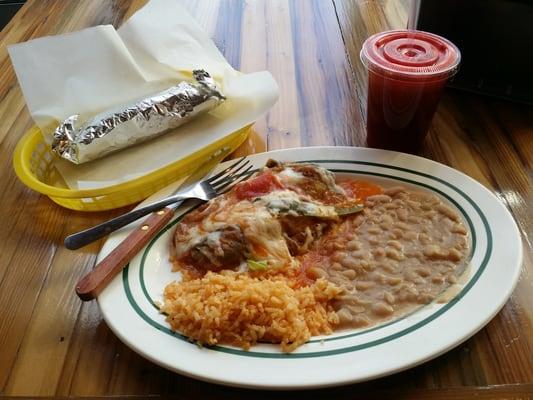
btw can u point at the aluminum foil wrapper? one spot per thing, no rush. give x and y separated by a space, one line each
82 141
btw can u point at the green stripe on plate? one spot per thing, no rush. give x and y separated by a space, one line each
365 345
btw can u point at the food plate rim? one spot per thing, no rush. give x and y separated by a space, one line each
329 160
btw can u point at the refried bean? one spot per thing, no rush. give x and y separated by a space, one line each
401 252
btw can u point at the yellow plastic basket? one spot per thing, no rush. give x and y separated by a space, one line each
33 163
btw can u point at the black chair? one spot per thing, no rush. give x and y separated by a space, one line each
8 8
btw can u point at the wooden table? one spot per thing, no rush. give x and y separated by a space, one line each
52 344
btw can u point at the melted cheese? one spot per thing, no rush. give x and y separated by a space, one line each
288 176
290 203
329 179
258 220
259 226
263 231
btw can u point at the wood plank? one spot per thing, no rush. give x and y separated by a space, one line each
89 362
358 20
23 277
267 48
515 121
12 107
49 333
508 392
34 291
327 95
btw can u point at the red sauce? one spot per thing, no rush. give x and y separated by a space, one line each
360 190
258 186
307 261
259 250
318 190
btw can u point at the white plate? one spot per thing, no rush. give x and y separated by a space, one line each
348 356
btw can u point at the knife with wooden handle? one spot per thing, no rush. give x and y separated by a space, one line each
91 285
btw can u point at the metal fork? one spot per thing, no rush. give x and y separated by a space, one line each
204 190
95 281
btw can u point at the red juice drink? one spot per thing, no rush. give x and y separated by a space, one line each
407 72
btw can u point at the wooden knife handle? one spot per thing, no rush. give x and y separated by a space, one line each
95 281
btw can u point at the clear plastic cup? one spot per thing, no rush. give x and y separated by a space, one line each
407 72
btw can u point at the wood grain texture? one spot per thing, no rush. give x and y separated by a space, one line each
499 392
53 345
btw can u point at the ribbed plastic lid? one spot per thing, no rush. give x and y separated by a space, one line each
409 52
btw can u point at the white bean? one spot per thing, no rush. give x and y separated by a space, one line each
382 309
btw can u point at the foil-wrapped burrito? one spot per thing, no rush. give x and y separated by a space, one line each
82 141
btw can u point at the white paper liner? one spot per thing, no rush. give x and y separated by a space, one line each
95 69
